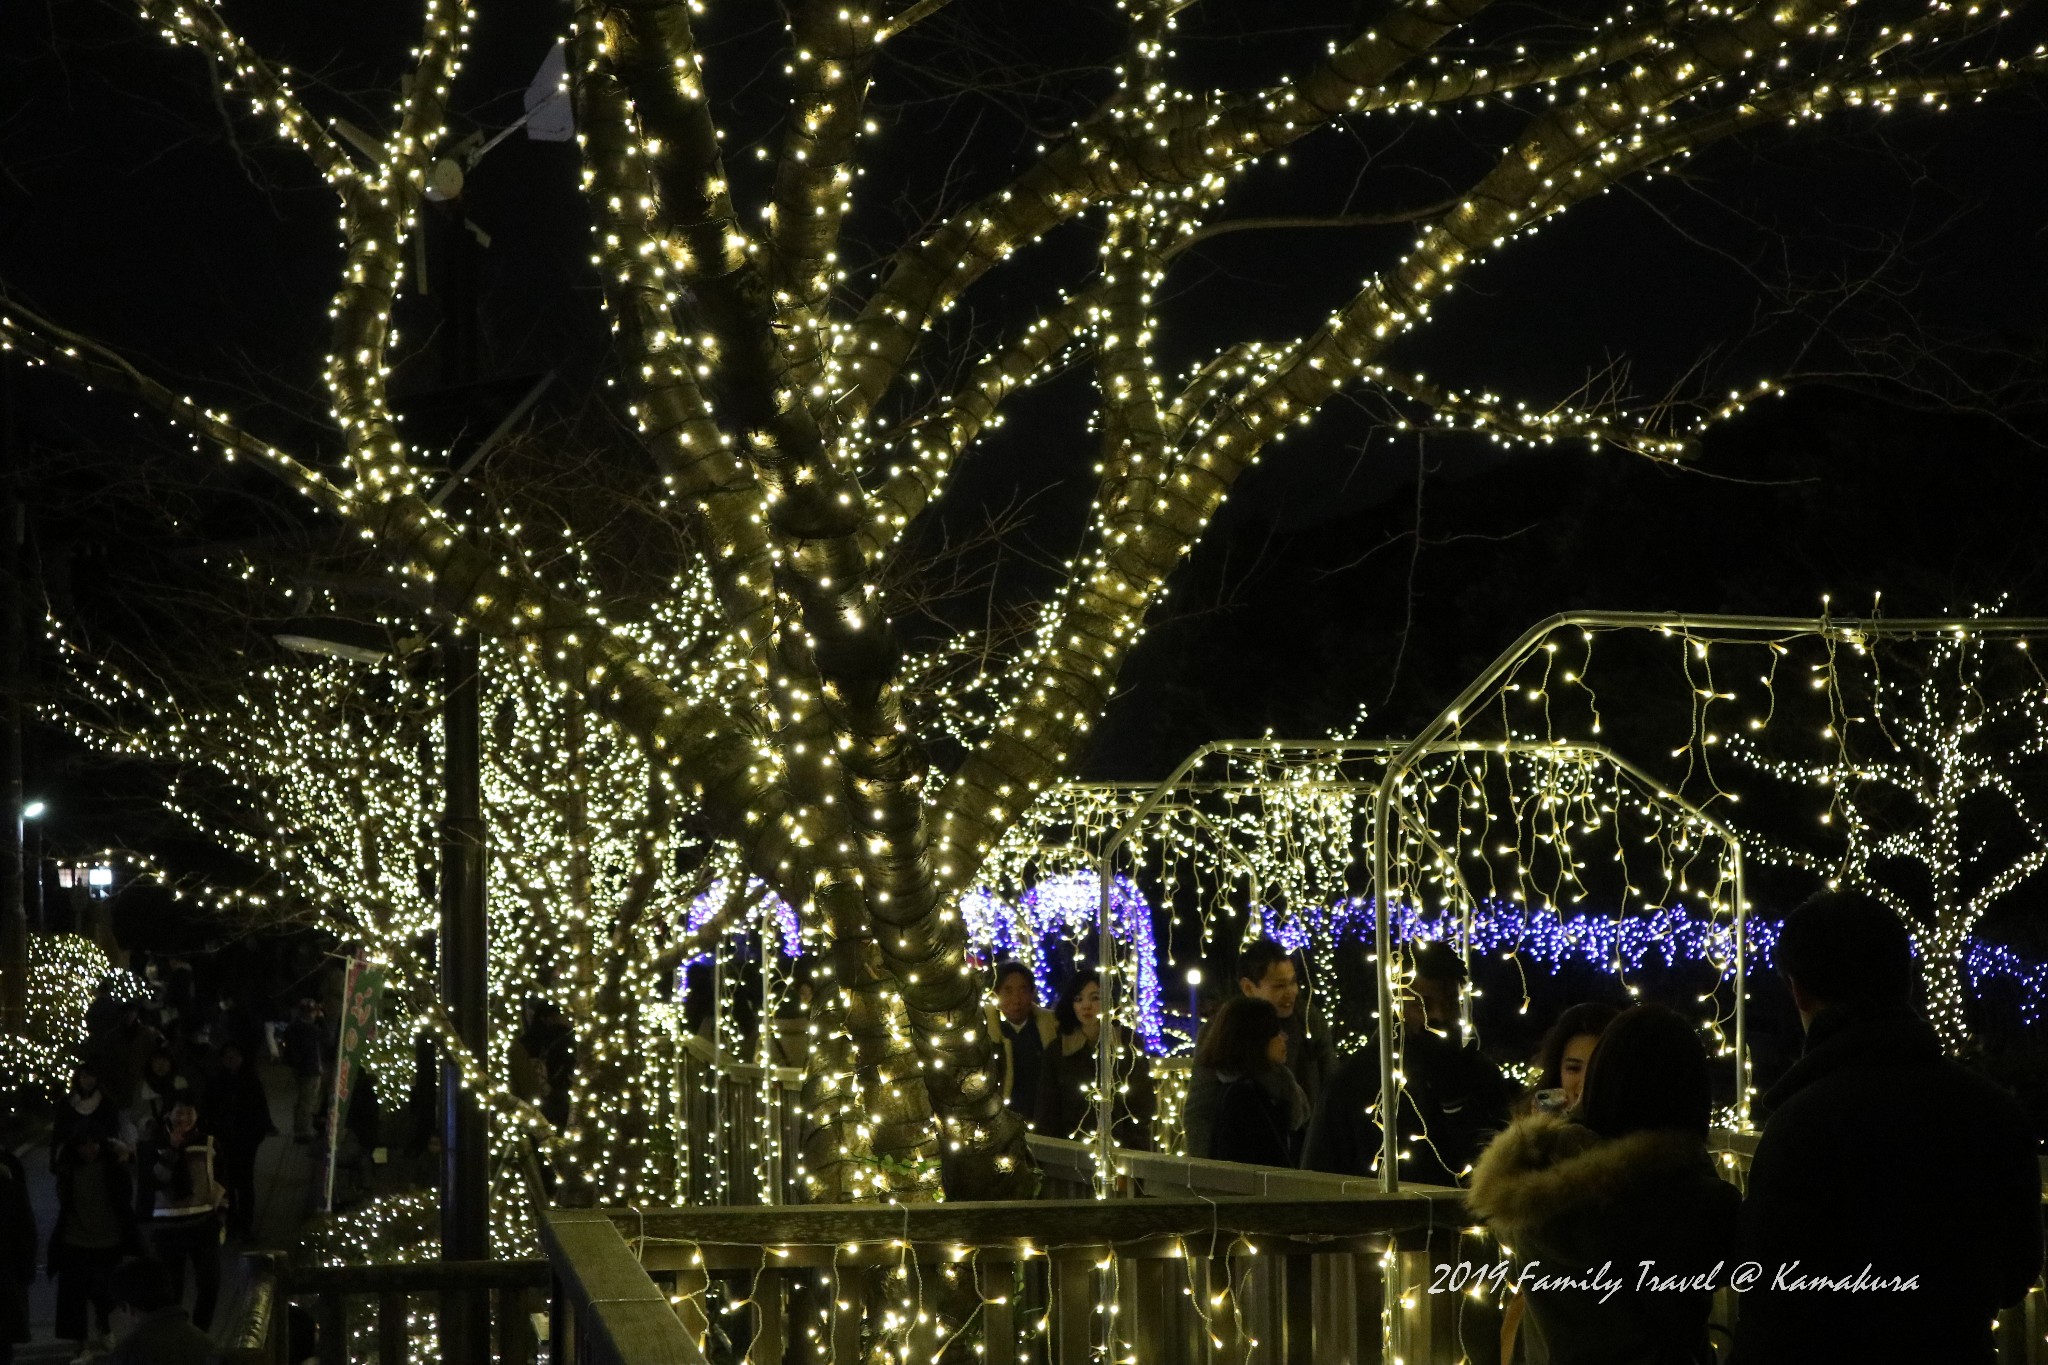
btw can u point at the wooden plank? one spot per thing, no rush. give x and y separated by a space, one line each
394 1342
721 1257
810 1317
1216 1294
331 1329
770 1298
1024 1222
851 1289
1296 1283
636 1332
516 1344
995 1279
621 1316
416 1277
1073 1305
1157 1320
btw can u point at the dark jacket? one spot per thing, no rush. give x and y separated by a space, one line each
1311 1061
166 1191
164 1338
1882 1153
1024 1050
1576 1207
1454 1101
305 1047
120 1184
1066 1086
17 1248
1255 1120
105 1120
238 1107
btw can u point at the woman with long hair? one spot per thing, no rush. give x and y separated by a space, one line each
1566 1054
1069 1076
1624 1181
1261 1110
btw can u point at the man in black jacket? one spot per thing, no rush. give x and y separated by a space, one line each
1453 1102
1894 1203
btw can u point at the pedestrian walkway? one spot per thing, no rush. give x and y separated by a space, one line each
288 1176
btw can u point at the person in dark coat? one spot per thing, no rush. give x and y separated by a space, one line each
1260 1110
161 1086
178 1197
1585 1204
87 1107
17 1253
1265 971
1881 1159
241 1121
154 1329
1025 1032
305 1051
1453 1102
1069 1078
95 1230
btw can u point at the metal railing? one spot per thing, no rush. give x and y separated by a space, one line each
739 1121
606 1310
379 1313
1263 1281
1211 1261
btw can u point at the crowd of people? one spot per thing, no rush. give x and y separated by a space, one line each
1892 1206
153 1152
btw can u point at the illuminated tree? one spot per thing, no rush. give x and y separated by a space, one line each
323 778
799 446
1929 805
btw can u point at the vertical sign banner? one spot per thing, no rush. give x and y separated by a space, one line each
361 992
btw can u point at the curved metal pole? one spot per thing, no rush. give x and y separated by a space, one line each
1382 943
1399 765
1105 1060
1105 1070
1741 996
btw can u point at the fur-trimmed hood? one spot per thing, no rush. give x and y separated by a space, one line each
1544 1166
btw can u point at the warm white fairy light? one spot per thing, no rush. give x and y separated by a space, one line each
1921 761
65 972
777 398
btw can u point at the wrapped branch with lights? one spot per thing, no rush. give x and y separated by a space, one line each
779 397
1929 804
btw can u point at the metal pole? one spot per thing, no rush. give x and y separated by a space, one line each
1741 995
1105 1064
14 912
1382 944
465 1192
465 1177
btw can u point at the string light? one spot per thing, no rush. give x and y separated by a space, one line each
776 397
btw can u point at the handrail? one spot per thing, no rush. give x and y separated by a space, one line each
255 1332
415 1277
714 1238
604 1301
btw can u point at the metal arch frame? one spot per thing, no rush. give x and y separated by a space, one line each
1382 794
1851 629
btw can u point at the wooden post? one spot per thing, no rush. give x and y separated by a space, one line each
995 1279
1073 1305
393 1341
770 1299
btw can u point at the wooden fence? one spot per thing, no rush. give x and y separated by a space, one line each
377 1312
